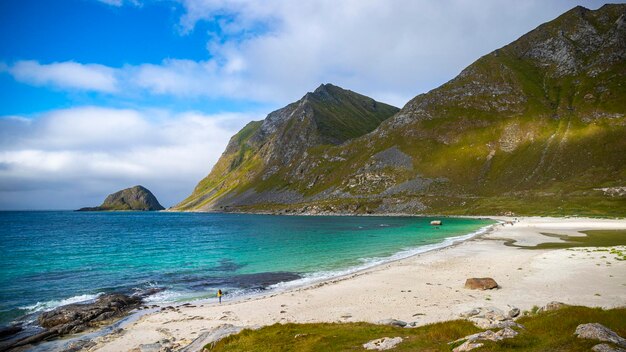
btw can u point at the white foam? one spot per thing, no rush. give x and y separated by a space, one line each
50 305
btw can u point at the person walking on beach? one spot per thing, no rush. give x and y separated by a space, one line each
219 295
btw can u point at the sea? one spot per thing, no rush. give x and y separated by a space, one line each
54 258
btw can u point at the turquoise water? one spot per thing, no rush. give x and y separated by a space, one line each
54 258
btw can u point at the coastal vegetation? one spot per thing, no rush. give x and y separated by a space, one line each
544 331
593 238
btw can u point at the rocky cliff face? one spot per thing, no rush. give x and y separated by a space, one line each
134 198
536 127
273 150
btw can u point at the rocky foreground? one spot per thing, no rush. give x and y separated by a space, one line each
505 326
74 318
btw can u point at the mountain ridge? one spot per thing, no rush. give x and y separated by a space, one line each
535 127
329 116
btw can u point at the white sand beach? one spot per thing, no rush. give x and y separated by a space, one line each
424 288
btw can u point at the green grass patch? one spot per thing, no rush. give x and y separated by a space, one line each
549 331
593 238
343 337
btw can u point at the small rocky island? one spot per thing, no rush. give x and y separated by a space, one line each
136 198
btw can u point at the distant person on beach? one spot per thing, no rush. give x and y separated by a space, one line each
219 295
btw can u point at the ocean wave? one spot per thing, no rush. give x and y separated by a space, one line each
175 296
52 304
165 296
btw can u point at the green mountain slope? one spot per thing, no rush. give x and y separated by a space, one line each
269 151
536 127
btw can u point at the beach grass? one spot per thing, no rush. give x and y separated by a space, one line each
593 238
547 331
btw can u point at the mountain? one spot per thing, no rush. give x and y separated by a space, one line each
535 127
134 198
260 157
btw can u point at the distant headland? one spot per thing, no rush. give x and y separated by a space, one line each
137 198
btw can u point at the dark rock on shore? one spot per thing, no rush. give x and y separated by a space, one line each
134 198
74 318
9 331
78 317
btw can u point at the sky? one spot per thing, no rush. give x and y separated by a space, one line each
101 95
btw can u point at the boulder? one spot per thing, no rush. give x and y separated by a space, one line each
484 323
74 318
470 313
554 305
483 335
596 331
392 322
489 318
471 341
506 333
603 347
513 312
481 283
382 344
467 346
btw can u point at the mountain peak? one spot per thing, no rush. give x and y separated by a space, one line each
327 92
326 88
266 153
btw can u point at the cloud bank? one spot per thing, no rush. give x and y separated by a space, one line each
75 157
275 51
269 52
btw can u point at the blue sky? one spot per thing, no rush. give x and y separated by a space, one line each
99 95
86 31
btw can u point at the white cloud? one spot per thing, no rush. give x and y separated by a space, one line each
177 77
269 51
391 50
89 152
69 75
275 51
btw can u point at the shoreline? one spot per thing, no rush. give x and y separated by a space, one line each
305 281
421 215
424 288
350 271
316 278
